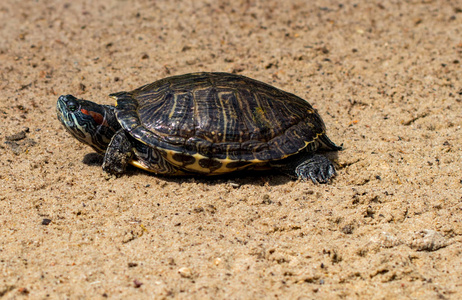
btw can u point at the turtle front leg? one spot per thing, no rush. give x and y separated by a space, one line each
118 154
315 167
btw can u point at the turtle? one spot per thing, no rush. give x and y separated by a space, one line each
206 123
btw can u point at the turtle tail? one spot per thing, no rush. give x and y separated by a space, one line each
327 144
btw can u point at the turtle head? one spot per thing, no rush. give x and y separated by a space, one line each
90 123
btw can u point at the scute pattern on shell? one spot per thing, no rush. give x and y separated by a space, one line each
219 115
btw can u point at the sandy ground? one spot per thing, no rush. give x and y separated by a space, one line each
385 75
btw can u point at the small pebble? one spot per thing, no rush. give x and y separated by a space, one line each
46 221
137 283
17 136
185 272
427 240
217 261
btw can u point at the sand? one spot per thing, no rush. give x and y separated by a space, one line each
386 77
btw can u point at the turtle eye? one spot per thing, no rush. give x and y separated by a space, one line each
72 106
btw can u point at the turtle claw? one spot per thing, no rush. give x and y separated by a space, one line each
317 168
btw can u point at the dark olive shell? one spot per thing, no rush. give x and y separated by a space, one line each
219 116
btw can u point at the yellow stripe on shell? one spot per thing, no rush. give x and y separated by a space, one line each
196 167
139 165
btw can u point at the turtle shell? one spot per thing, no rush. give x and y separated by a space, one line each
218 122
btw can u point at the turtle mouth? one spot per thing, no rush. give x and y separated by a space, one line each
60 110
63 113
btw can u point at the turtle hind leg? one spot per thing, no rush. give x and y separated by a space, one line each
314 167
318 168
118 154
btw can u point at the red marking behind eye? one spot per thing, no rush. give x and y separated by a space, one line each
96 116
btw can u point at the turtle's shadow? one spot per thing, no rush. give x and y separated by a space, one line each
245 177
239 178
93 159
